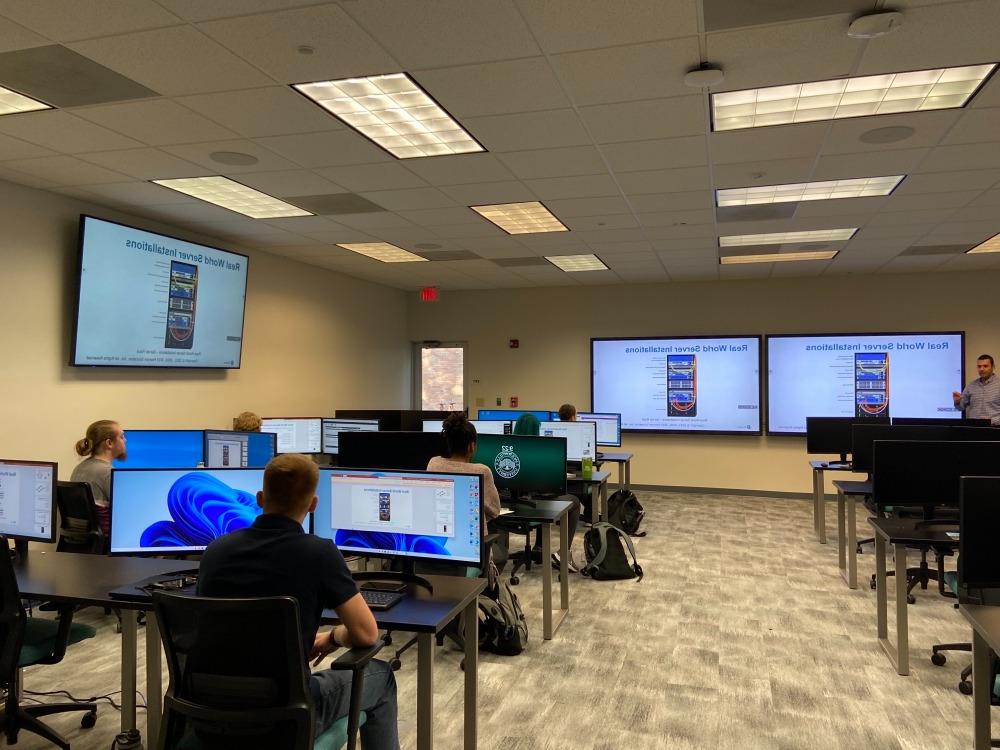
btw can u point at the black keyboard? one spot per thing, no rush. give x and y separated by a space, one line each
380 600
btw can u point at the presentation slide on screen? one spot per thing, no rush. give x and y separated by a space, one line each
679 385
869 375
182 302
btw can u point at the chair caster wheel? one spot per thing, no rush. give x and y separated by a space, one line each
965 688
514 580
859 550
461 664
88 720
911 599
872 584
387 639
395 665
939 660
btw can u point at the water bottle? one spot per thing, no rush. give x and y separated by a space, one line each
588 467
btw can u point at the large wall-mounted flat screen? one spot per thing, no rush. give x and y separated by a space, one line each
863 375
149 300
705 384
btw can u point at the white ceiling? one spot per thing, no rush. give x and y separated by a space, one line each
579 103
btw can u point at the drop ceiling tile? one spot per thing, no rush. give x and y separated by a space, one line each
681 232
656 202
677 218
844 166
64 170
255 113
989 95
577 207
567 25
645 120
930 201
200 153
946 182
989 198
745 271
588 186
69 20
374 221
549 129
973 213
140 194
914 264
554 162
659 154
269 41
682 180
758 144
442 216
174 61
976 126
774 172
969 232
928 129
198 10
494 88
598 222
156 122
694 246
624 250
14 36
596 236
446 32
784 53
967 156
411 199
146 164
331 149
618 74
289 183
15 148
460 169
63 132
511 252
978 261
359 177
510 191
193 214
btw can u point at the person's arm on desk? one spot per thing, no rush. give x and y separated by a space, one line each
357 628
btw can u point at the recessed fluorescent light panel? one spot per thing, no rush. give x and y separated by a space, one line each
395 113
574 263
521 218
782 238
232 195
728 260
12 103
941 88
862 187
992 245
383 251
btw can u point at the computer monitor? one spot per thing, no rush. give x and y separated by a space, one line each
228 449
897 480
177 511
295 434
864 437
513 414
941 421
401 451
523 464
581 437
389 419
413 419
834 434
28 500
333 427
410 515
483 426
162 449
609 426
979 529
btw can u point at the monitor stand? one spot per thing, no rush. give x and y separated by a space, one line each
405 576
20 550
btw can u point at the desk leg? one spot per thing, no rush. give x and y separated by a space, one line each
564 544
622 484
902 625
981 691
628 473
425 691
603 492
819 514
881 592
129 648
841 535
154 680
852 541
471 672
546 582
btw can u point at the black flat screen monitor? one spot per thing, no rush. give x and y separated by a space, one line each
408 515
483 426
609 426
295 434
941 421
389 420
511 415
162 449
833 434
979 529
928 472
333 427
413 419
863 437
185 301
229 449
401 451
524 464
28 500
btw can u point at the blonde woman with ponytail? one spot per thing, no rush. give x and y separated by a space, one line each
104 442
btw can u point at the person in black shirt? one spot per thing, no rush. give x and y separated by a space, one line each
275 557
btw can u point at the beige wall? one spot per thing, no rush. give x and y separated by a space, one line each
554 326
314 341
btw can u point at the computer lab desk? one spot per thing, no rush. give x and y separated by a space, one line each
819 494
624 461
597 486
87 580
985 623
847 527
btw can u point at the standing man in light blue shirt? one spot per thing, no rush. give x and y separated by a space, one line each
981 397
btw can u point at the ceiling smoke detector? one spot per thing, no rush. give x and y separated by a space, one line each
704 76
875 25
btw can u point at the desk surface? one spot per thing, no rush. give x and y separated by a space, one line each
87 579
423 612
853 488
545 511
597 477
905 531
985 621
830 465
614 457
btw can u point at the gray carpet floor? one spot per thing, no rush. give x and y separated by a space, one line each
741 635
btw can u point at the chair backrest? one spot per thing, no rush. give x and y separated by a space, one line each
237 676
12 617
79 529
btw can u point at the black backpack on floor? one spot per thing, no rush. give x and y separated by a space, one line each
502 627
608 550
626 512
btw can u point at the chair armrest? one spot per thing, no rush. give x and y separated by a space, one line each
357 659
491 538
62 635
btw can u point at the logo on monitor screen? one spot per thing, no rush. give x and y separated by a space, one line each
507 464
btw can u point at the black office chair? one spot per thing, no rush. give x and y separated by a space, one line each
27 641
79 527
238 680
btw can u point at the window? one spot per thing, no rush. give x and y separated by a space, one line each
441 375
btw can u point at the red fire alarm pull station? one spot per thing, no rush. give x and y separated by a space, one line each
513 402
514 343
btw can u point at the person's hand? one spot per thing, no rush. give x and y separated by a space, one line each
323 646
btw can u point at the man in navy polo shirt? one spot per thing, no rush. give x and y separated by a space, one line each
275 557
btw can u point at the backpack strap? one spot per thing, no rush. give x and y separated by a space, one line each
637 569
602 533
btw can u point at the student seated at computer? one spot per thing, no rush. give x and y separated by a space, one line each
246 421
528 424
567 413
275 557
460 443
103 443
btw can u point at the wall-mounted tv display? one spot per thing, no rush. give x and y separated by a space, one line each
149 300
